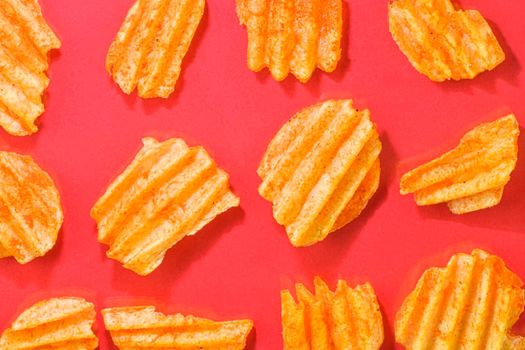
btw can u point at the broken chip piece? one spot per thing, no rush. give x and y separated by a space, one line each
30 210
471 176
345 319
288 36
168 192
141 327
149 48
57 323
321 169
472 303
25 40
443 42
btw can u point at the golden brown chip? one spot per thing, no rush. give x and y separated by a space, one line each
321 169
142 327
30 211
470 304
443 42
149 48
471 176
168 192
59 323
25 40
345 319
292 36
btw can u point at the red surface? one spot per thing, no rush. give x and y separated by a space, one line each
238 264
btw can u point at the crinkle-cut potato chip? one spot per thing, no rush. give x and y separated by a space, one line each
25 40
30 210
294 36
471 176
169 191
321 169
142 327
345 319
470 304
443 42
59 323
149 48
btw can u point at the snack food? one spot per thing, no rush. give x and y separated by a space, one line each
149 48
30 211
321 169
58 323
345 319
296 37
25 40
471 176
141 327
471 303
169 191
443 42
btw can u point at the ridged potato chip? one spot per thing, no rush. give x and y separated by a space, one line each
471 176
345 319
443 42
470 304
292 36
141 327
59 323
169 191
25 40
30 210
149 48
321 169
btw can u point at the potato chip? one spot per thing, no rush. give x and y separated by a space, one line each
169 191
472 303
345 319
288 36
25 40
30 211
321 169
471 176
149 48
141 327
443 42
58 323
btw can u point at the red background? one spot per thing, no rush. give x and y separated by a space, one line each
237 265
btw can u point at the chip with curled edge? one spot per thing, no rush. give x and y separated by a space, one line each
471 176
443 42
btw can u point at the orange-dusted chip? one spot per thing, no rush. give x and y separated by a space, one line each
30 210
169 191
321 169
25 40
345 319
443 42
149 48
471 176
58 323
292 36
470 304
142 327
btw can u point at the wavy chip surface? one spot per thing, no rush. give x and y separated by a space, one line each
294 36
471 176
345 319
443 42
142 327
321 169
59 323
472 303
149 48
30 210
25 40
169 191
